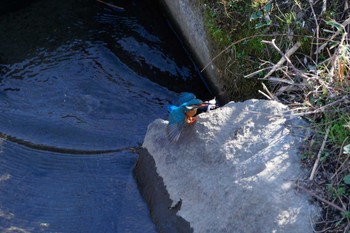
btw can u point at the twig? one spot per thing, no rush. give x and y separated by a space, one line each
268 92
266 95
251 37
324 6
227 48
111 5
317 28
312 175
322 199
344 162
225 8
344 24
281 80
239 41
321 109
257 72
283 58
347 228
298 72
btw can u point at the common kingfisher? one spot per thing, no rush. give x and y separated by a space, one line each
186 113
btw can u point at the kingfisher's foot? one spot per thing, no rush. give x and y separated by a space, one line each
191 120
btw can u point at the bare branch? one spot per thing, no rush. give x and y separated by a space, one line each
312 175
111 5
345 23
323 108
322 199
324 6
284 56
317 28
257 72
296 46
281 80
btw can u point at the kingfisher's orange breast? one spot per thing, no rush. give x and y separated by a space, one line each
191 113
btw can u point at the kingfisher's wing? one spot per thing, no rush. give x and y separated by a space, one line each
174 131
176 123
171 107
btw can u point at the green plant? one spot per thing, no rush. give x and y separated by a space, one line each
346 179
218 33
338 133
346 215
262 15
288 18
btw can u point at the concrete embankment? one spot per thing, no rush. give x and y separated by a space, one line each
233 171
187 17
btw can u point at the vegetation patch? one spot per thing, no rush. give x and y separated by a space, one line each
298 53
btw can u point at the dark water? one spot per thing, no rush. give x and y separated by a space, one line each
79 83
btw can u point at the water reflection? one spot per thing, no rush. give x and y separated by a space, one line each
78 87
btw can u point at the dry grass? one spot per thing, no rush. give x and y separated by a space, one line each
319 90
312 76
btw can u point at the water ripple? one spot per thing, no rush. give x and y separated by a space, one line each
38 190
92 99
79 87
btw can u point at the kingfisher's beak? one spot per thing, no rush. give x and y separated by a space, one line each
196 106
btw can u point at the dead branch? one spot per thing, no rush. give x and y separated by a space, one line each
283 58
324 6
239 41
323 108
269 95
111 5
344 24
257 72
264 94
317 26
344 162
322 199
281 80
312 175
297 45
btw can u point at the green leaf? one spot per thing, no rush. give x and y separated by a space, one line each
346 214
259 25
324 157
347 179
263 23
268 22
256 15
335 24
268 7
346 149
